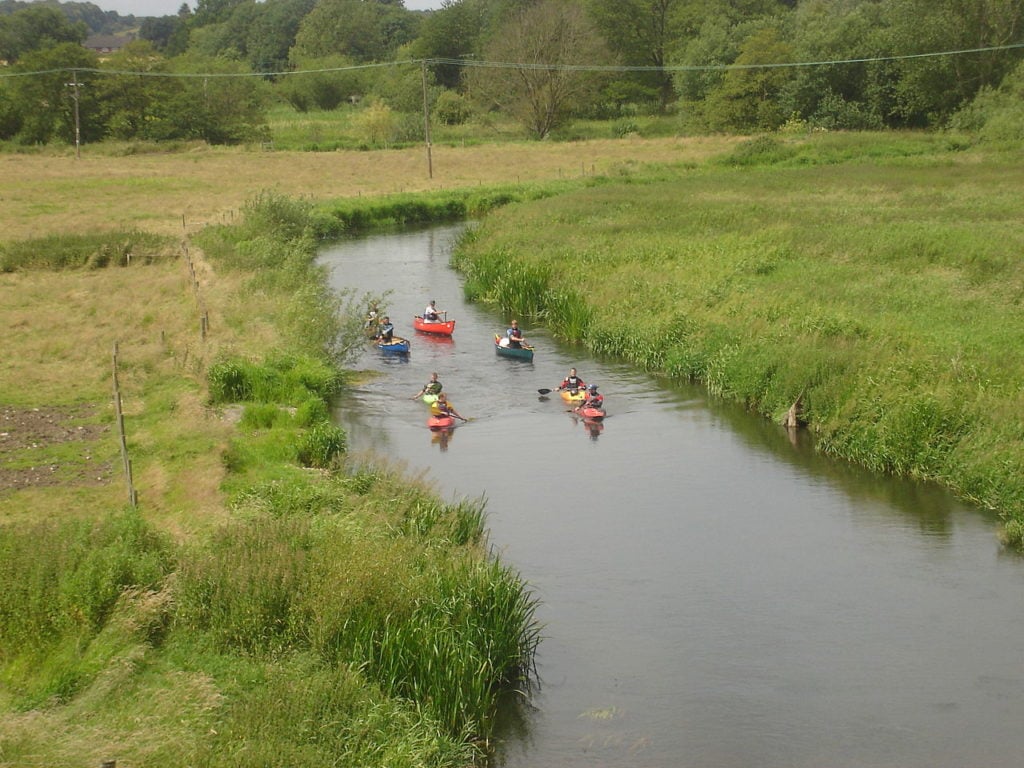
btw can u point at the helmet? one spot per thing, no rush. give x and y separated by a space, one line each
593 387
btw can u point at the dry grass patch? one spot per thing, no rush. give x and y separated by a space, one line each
163 193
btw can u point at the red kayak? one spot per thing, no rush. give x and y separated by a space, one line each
590 412
440 327
440 422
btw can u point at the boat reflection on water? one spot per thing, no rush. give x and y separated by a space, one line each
593 427
441 437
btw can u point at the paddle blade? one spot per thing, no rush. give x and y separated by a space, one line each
544 391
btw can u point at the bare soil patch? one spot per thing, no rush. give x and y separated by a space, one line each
24 431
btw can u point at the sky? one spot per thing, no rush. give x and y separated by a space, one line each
170 7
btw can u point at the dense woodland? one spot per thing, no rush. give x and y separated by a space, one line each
211 72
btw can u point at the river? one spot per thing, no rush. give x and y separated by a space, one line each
713 593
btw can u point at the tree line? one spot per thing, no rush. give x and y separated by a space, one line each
718 65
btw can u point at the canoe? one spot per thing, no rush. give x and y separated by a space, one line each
574 395
440 422
519 353
396 346
441 327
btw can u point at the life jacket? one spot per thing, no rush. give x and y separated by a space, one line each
573 382
432 388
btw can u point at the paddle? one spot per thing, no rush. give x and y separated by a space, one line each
543 391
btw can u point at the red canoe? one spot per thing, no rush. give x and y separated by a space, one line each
441 327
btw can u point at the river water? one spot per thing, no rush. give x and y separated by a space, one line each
713 594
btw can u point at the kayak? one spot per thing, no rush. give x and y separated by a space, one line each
440 422
439 327
502 348
396 346
574 395
590 412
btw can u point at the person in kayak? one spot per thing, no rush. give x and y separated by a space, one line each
386 331
432 387
515 336
431 314
594 400
441 407
572 382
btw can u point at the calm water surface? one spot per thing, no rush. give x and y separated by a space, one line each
713 595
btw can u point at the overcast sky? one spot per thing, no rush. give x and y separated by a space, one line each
170 7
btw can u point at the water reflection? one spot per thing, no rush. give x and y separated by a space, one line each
442 437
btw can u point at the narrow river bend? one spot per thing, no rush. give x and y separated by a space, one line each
713 595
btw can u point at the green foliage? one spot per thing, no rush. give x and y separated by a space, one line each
323 83
321 446
305 571
995 114
764 150
35 27
59 582
91 251
452 108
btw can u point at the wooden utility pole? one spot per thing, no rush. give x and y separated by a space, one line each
426 119
78 125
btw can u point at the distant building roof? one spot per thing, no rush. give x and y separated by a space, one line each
107 43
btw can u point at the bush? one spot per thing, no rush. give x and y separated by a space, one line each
322 444
452 108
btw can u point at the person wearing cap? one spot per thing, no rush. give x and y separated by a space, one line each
515 336
430 314
442 407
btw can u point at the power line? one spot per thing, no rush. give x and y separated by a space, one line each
523 66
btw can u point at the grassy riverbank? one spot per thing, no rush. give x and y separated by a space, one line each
876 280
269 601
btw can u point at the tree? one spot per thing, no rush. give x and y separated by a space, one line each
223 106
45 100
851 95
931 88
130 104
640 32
364 30
748 97
542 44
34 28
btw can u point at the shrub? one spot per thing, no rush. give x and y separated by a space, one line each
322 444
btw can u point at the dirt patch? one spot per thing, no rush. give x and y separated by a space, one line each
28 438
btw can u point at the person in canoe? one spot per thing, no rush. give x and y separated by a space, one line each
431 314
572 382
432 387
442 407
385 331
516 340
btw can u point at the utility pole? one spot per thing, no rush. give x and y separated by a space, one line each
426 119
78 125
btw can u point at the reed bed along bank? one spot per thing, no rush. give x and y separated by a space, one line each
310 608
876 283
